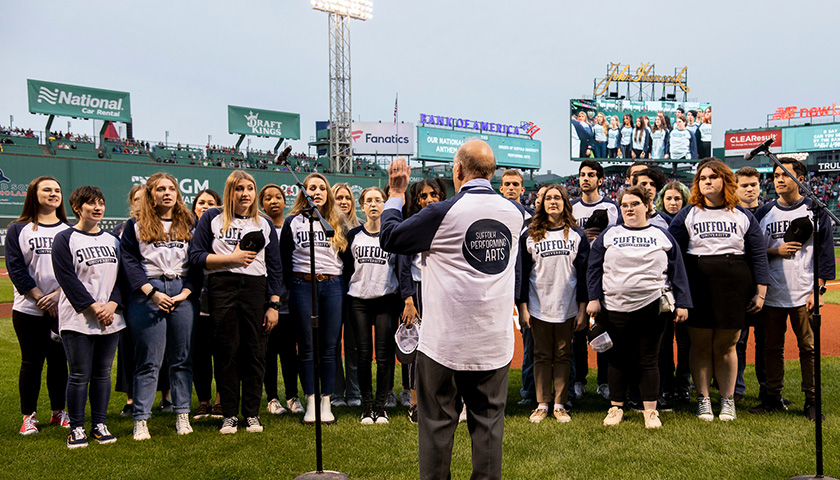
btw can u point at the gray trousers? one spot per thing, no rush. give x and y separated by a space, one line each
438 392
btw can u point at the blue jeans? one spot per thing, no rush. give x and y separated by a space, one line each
347 383
528 390
157 333
330 296
90 358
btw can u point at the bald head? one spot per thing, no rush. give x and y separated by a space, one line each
476 160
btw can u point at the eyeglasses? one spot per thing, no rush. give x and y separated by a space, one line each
424 196
373 201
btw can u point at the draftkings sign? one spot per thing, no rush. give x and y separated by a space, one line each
263 123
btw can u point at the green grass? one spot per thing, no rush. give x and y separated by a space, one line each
773 446
6 289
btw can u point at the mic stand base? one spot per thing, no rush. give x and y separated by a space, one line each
326 475
806 477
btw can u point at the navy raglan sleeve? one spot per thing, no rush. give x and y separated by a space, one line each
826 248
693 145
201 244
407 285
121 286
415 234
287 247
755 247
273 264
667 142
15 263
347 256
595 270
131 259
648 144
677 275
65 273
581 264
527 263
678 231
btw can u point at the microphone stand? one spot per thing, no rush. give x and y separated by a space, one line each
817 207
312 211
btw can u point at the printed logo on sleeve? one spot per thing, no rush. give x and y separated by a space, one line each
487 245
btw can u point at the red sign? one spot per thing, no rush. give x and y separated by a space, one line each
785 113
738 143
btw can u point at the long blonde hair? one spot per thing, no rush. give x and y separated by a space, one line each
352 220
330 211
151 227
228 211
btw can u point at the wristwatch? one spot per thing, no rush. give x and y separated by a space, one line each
822 289
274 305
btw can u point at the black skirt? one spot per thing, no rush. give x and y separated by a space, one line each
721 288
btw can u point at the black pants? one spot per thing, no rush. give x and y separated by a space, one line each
380 314
33 333
281 343
438 409
203 343
237 307
669 382
634 356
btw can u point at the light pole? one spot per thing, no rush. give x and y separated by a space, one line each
340 12
167 138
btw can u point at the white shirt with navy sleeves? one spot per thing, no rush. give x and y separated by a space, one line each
792 279
143 260
372 270
294 248
554 274
87 267
208 238
631 267
29 262
470 273
720 231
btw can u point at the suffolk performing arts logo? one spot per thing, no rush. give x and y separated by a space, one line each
487 246
262 127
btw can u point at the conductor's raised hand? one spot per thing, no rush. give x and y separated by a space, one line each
398 175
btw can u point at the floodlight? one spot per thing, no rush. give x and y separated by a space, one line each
358 9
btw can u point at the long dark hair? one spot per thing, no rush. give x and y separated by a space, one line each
417 187
31 206
540 224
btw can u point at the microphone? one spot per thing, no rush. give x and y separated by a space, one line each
281 157
755 151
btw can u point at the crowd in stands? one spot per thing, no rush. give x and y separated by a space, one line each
16 132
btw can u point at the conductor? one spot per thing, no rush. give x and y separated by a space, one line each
470 244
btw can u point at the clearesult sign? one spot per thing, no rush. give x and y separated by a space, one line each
739 143
263 123
371 138
65 100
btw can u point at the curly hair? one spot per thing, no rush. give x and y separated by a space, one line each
659 204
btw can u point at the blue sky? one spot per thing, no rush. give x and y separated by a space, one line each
506 61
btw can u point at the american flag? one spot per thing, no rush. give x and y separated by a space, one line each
396 100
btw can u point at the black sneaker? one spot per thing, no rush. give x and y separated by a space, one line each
786 402
738 397
663 406
682 396
526 402
77 438
203 411
770 404
412 414
635 405
381 415
165 405
229 426
102 435
367 417
217 411
127 410
810 411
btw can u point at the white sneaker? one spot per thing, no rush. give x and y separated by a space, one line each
294 406
578 389
182 424
326 412
727 409
275 408
463 417
141 431
652 419
614 416
254 425
704 409
309 416
604 391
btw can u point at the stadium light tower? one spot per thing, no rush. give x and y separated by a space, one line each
341 11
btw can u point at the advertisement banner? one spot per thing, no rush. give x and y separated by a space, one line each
74 101
263 123
811 138
440 145
739 143
371 138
